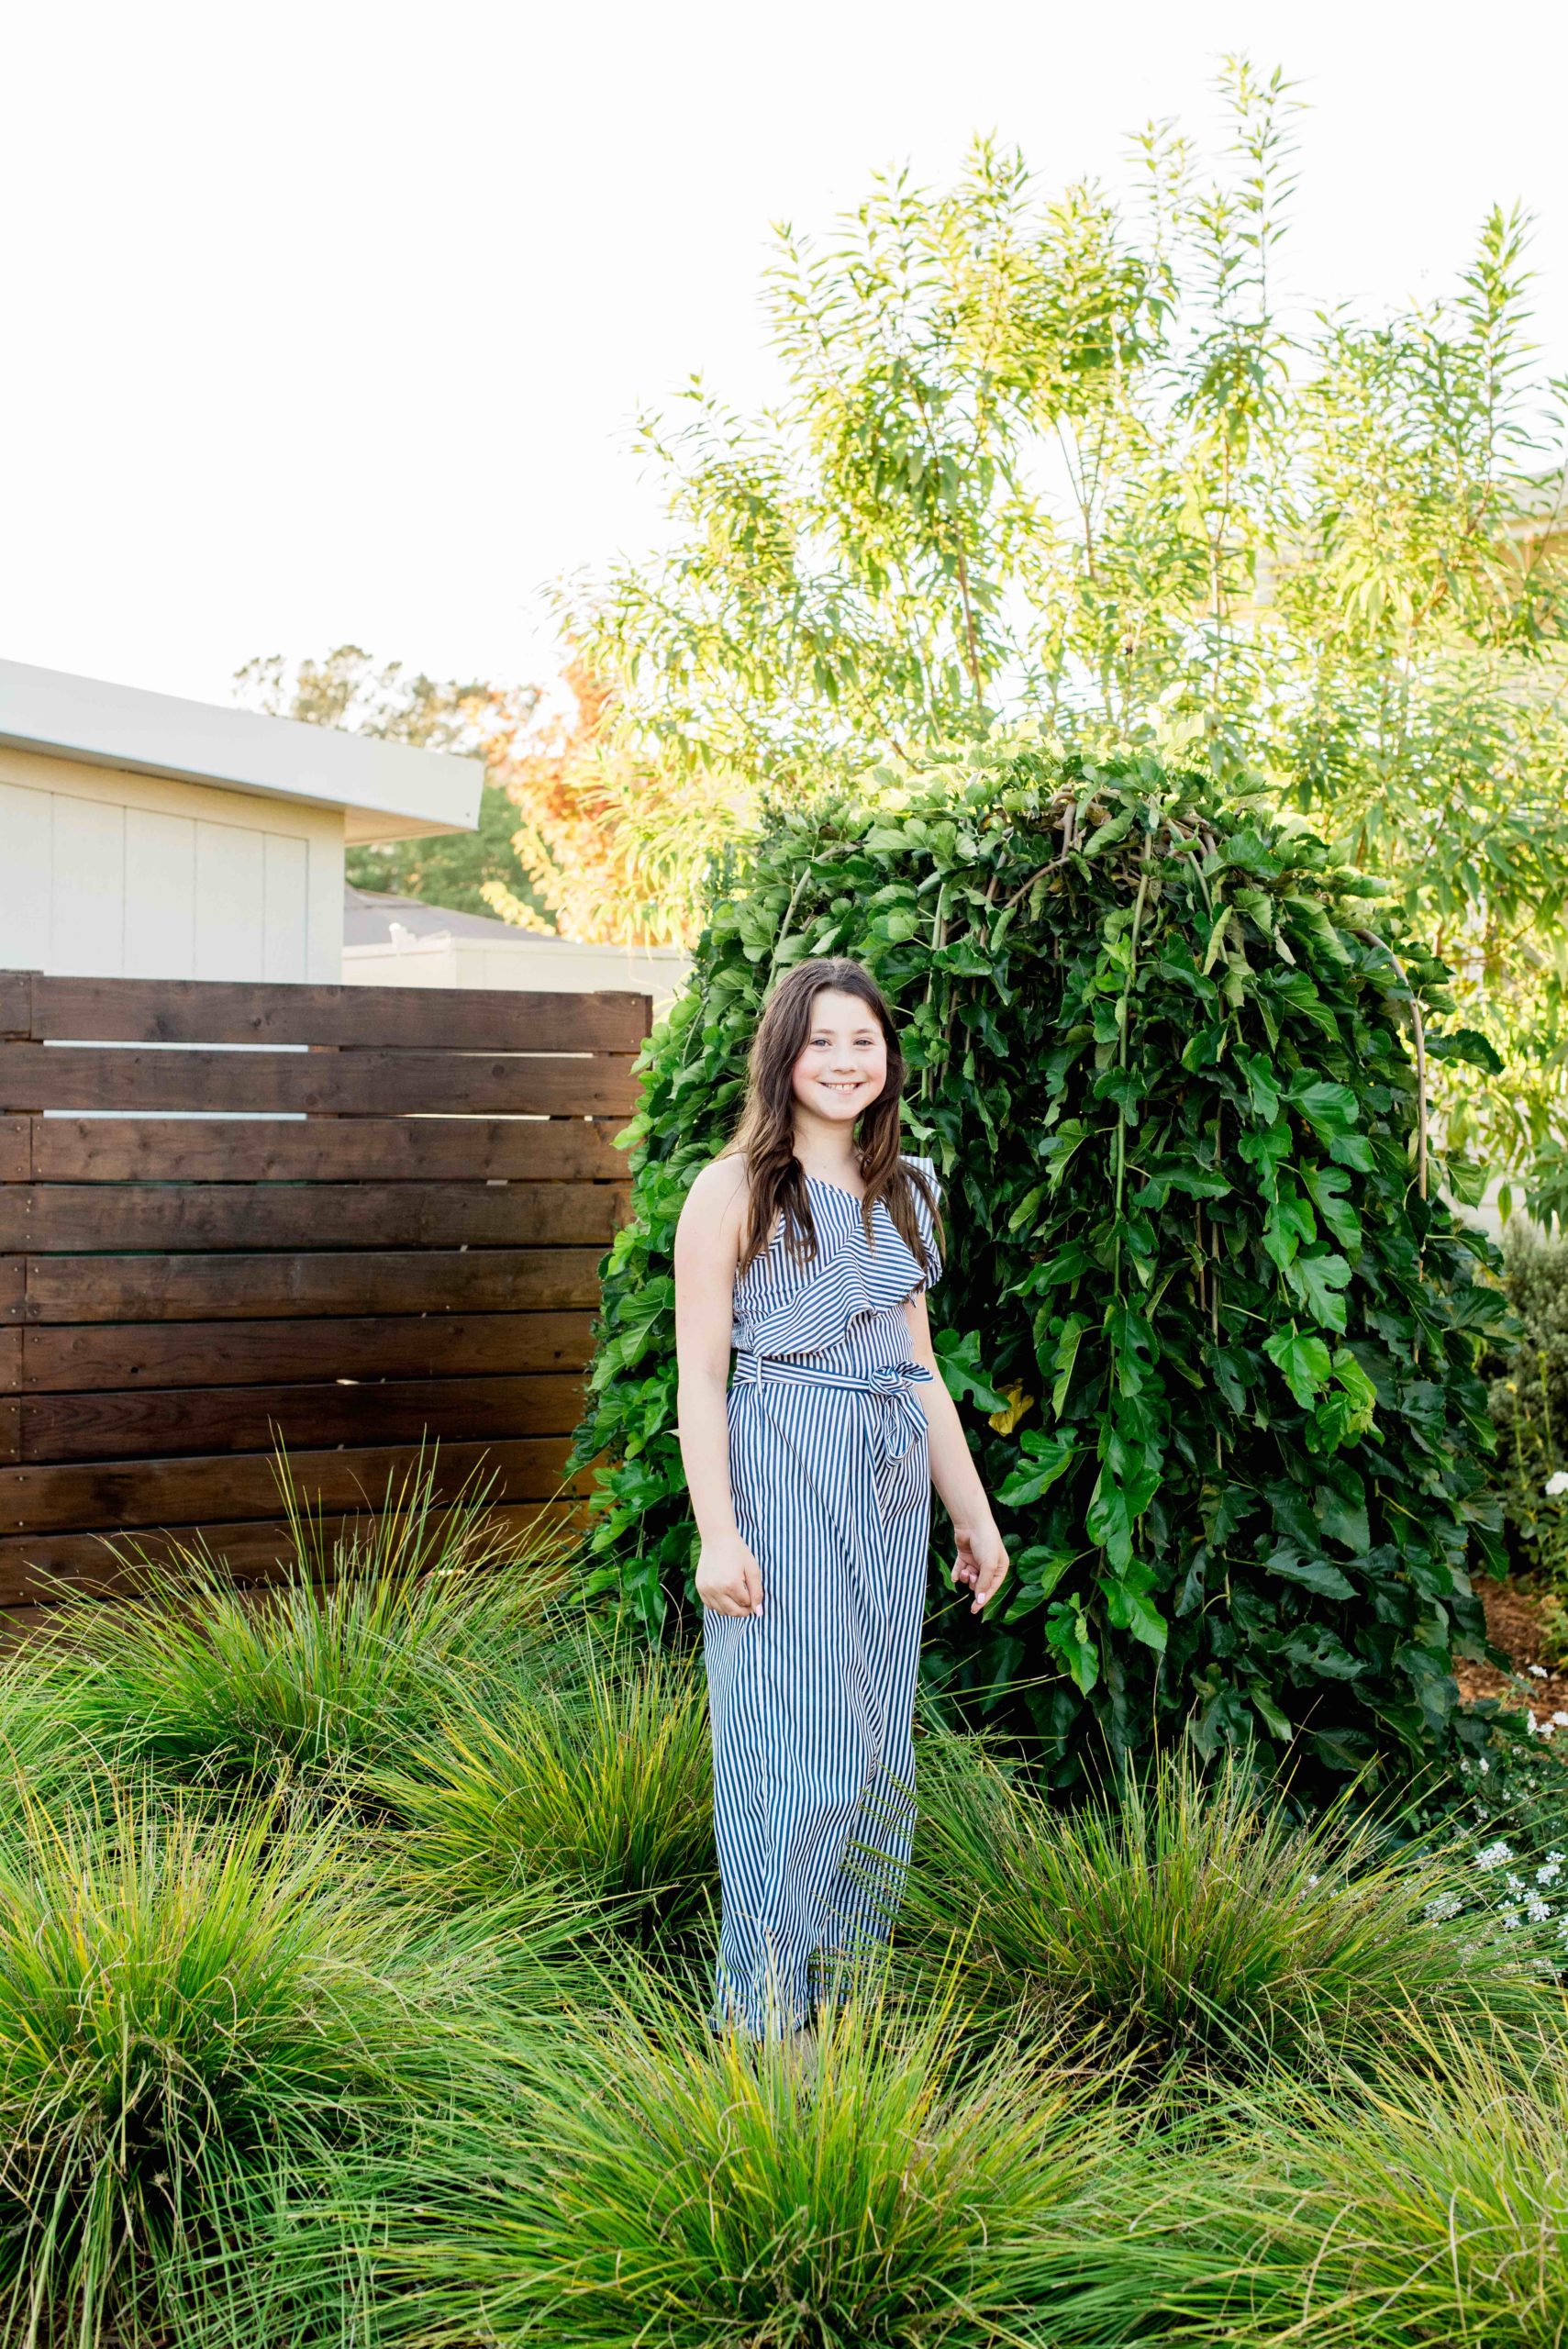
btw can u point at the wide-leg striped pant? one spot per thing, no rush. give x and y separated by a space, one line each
812 1701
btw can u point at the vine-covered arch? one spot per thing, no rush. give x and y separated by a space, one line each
1212 1328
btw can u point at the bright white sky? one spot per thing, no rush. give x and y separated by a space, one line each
328 317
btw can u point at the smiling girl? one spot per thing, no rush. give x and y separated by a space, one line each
808 1247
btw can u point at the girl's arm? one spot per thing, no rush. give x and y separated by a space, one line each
708 1249
981 1563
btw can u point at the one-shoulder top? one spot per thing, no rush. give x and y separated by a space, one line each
844 1304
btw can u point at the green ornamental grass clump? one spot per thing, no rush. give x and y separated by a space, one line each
1194 1928
1425 2208
652 2183
599 1777
1211 1326
204 1689
179 2012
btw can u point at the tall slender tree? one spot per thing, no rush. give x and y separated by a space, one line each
1073 459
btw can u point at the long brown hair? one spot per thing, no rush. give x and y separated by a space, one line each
765 1134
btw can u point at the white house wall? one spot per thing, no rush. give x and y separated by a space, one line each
545 965
109 875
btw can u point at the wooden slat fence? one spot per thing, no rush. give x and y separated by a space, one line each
380 1223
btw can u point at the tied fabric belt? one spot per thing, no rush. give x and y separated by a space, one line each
903 1422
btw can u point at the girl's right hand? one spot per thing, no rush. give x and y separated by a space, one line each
730 1580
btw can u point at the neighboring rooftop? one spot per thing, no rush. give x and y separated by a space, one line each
388 791
372 916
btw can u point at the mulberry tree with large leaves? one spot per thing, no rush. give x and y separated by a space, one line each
1212 1330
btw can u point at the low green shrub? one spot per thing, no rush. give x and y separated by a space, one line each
185 2007
1527 1390
207 1688
1189 1923
597 1775
651 2184
1410 2212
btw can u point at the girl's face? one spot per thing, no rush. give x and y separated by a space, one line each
843 1067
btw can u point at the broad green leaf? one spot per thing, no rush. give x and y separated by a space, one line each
1128 1608
958 1360
1068 1636
1318 1281
1303 1359
1466 1044
1315 1573
1330 1108
1328 1186
1261 1087
1066 1356
1344 1517
1045 1458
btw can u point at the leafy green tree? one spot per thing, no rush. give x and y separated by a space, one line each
1213 1329
1068 458
347 690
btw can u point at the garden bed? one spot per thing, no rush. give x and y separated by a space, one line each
1513 1623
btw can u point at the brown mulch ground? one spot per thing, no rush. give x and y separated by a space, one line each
1513 1622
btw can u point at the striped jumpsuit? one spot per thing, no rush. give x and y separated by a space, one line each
812 1701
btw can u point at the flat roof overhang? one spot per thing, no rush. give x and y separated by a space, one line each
387 791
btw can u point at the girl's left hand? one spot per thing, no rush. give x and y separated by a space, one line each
981 1563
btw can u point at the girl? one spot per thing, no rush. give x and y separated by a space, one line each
809 1245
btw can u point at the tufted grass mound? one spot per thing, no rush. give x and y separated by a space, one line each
654 2184
599 1776
212 1691
1206 1936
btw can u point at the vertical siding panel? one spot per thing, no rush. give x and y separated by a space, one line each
324 943
231 902
160 895
285 954
27 860
87 912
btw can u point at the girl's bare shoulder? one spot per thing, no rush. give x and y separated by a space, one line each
719 1190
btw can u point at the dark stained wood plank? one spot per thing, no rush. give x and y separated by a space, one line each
186 1288
382 1149
87 1496
112 1356
163 1422
213 1011
16 1002
342 1084
38 1568
79 1218
16 1149
22 1081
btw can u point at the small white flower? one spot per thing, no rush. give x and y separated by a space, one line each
1539 1672
1446 1905
1557 1483
1495 1855
1537 1909
1484 1766
1559 1721
1509 1919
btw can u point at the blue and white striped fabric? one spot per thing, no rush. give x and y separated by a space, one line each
812 1701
